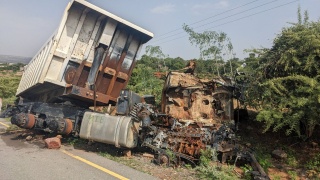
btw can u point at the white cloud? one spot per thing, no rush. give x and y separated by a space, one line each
199 8
163 9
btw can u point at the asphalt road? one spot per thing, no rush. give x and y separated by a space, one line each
23 160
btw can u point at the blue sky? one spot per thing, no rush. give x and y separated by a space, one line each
27 24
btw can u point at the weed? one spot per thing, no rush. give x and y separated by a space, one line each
108 156
291 160
293 175
215 172
75 141
247 171
207 156
276 177
264 159
207 170
126 161
188 166
314 164
170 154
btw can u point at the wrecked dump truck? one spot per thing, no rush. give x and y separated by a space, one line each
88 62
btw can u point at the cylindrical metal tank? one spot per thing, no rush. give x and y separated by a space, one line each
116 130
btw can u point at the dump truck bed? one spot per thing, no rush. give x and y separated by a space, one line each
62 66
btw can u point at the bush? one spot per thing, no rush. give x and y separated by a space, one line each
314 164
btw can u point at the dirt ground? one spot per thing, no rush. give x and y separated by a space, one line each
299 152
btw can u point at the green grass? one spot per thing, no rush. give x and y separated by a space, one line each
247 169
276 177
291 157
292 161
123 160
293 175
75 141
314 163
263 157
215 172
109 156
207 169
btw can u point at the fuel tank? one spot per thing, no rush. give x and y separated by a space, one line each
116 130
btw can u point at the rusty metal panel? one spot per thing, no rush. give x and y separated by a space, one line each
83 28
193 100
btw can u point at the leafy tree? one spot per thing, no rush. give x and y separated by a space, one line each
8 88
151 62
144 82
175 63
212 45
286 82
156 53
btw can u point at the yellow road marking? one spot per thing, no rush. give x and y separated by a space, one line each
95 166
6 125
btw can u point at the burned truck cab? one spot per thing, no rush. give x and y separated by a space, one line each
198 101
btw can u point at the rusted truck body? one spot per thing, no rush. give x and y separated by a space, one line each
69 64
197 115
89 61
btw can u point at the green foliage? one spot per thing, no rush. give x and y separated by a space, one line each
276 177
108 156
247 169
8 88
170 154
314 163
173 64
284 82
264 158
293 175
154 51
287 101
207 156
208 170
215 172
144 82
291 159
75 141
11 67
212 46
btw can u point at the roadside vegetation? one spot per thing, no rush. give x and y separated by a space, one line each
282 83
9 82
281 90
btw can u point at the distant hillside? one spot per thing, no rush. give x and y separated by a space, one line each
14 59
